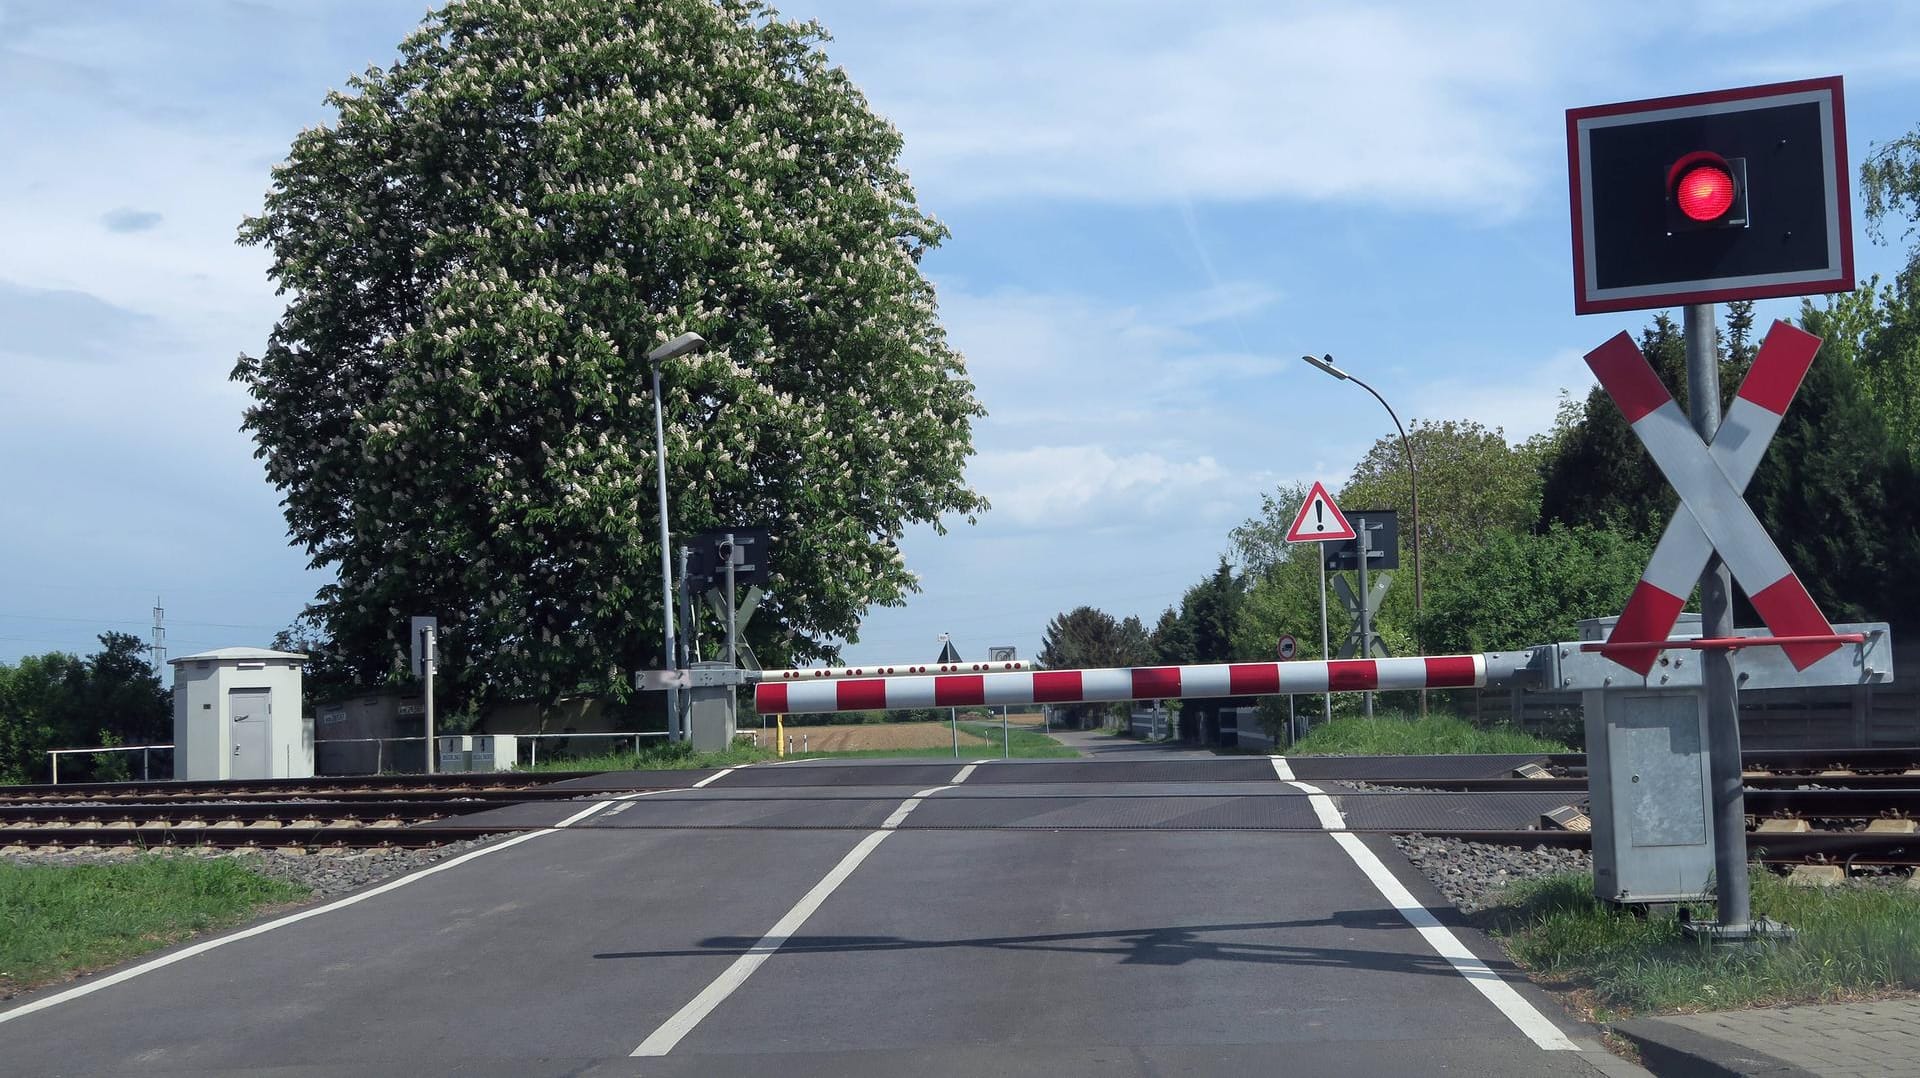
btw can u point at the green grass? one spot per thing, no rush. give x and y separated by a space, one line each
60 919
1851 941
1394 735
658 757
1026 744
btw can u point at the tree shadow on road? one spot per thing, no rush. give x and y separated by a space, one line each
1171 945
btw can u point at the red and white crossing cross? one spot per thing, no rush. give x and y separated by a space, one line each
1124 683
1713 515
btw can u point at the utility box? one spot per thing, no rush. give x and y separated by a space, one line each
710 709
1648 784
493 752
453 753
1651 805
237 714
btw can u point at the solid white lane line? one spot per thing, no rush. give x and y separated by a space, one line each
720 774
1524 1016
964 772
1282 768
674 1030
111 979
1323 806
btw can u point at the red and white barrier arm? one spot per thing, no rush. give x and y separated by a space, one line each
1112 686
832 673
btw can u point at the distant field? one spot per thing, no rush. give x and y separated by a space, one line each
877 736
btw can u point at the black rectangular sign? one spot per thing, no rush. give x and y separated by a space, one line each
1773 220
1383 542
751 557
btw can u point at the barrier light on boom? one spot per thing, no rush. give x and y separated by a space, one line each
1706 191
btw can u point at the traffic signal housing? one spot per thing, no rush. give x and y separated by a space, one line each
1706 191
1704 198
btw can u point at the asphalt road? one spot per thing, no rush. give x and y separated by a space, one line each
961 946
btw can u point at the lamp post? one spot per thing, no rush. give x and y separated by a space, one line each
684 344
1413 481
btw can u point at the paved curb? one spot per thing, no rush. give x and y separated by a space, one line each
1672 1051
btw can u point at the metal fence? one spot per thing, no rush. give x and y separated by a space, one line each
145 751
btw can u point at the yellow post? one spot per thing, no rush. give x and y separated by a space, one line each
780 736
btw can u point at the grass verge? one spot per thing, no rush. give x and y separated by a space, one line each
1851 941
1394 735
1026 744
659 757
61 919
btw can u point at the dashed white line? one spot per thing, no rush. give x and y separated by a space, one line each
964 772
1525 1016
198 949
675 1029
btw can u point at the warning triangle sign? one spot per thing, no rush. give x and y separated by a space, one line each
1320 520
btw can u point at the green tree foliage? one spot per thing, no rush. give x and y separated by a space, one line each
1472 482
1213 608
479 248
1517 588
1876 329
1600 476
1171 642
328 674
1260 543
60 701
1085 637
1836 493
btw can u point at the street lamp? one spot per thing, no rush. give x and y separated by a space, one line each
1325 363
684 344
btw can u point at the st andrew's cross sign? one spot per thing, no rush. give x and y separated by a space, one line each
1713 515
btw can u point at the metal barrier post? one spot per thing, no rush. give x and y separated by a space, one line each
56 767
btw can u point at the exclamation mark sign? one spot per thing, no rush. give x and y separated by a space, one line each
1319 516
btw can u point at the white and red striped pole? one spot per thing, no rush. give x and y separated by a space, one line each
834 673
1120 684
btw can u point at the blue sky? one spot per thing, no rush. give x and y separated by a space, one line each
1156 210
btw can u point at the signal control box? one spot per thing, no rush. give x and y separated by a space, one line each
1648 782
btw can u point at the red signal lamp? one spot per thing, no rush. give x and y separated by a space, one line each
1706 191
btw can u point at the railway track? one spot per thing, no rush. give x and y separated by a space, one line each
1836 806
495 786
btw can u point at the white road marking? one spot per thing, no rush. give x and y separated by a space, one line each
1282 768
1525 1016
674 1030
720 774
964 772
111 979
1323 806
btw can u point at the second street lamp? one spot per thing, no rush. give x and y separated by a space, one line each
684 344
1325 363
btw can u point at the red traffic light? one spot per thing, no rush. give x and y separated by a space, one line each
1702 186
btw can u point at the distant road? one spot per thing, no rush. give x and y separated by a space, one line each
1134 913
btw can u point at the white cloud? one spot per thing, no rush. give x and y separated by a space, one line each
1522 403
1065 485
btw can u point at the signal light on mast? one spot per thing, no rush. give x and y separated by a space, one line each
1706 191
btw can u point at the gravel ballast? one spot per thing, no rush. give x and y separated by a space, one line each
1473 874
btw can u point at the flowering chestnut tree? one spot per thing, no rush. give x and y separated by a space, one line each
478 251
